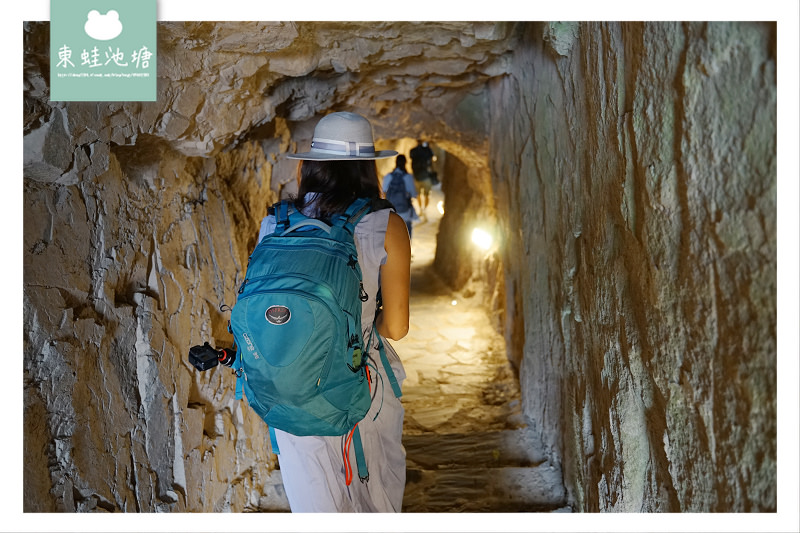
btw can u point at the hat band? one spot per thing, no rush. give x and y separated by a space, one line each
332 146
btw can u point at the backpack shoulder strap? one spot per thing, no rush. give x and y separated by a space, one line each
273 441
354 438
389 372
361 462
281 210
382 351
288 218
239 373
353 214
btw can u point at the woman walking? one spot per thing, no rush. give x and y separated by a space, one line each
316 470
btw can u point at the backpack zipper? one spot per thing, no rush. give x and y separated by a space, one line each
322 249
363 296
295 275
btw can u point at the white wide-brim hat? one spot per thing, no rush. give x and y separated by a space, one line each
342 136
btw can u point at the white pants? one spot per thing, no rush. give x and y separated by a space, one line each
313 468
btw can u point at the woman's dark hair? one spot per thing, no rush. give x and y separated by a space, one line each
337 184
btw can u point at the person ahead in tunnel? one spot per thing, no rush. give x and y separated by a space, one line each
422 167
339 168
399 188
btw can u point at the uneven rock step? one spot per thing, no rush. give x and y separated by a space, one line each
497 490
490 471
490 449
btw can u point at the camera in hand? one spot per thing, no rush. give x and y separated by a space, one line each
205 357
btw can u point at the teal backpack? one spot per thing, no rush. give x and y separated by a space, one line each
302 362
397 193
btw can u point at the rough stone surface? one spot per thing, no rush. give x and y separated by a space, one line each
629 170
637 187
468 448
138 221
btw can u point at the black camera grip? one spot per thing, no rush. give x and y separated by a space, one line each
205 357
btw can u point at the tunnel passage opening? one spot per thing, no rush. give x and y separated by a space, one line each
461 391
457 244
256 175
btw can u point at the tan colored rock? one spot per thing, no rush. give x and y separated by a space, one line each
628 169
645 324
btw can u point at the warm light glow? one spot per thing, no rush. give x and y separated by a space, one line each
481 239
454 302
440 207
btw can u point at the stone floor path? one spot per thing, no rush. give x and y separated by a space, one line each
467 444
468 448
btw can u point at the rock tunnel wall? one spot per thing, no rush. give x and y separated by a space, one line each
634 279
123 272
138 220
634 169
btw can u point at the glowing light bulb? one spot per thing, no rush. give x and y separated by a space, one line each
440 207
481 239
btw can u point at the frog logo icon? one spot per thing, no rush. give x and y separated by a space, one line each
103 27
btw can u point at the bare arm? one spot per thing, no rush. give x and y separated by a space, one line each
392 323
